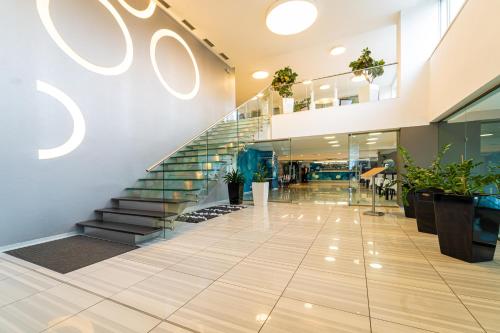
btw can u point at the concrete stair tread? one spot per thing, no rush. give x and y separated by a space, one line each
120 227
136 212
154 200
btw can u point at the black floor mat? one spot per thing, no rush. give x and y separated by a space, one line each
208 213
69 254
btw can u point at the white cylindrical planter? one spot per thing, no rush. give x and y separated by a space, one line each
288 105
368 93
260 193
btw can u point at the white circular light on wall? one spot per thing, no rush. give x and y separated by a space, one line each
144 14
78 123
289 17
152 50
44 13
337 50
260 75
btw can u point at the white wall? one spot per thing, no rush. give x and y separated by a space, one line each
418 36
466 63
131 119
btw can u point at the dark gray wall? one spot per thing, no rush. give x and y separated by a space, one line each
421 142
131 119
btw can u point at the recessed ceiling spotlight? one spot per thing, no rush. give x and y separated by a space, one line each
333 142
329 137
372 139
371 143
486 134
260 75
324 87
289 17
358 78
337 50
375 133
306 82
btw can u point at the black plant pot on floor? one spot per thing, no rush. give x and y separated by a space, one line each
424 211
466 230
235 193
410 208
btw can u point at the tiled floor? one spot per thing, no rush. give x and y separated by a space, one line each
288 268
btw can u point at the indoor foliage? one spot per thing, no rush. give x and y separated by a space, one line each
234 177
368 67
283 81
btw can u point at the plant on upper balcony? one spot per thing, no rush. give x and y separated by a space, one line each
368 67
283 81
302 104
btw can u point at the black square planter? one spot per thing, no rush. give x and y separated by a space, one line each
235 191
424 211
466 231
410 208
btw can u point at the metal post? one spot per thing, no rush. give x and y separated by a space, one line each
374 193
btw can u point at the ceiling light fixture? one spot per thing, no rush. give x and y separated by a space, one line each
335 146
371 143
289 17
306 82
375 133
486 134
372 139
333 142
324 87
337 50
260 75
329 137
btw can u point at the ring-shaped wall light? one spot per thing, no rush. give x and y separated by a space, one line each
154 42
144 14
78 123
123 66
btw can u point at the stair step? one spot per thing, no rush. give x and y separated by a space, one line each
172 179
153 200
120 227
161 189
190 163
135 212
193 170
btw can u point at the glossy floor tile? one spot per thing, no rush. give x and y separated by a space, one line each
306 267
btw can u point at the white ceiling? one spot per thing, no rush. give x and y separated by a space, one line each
237 28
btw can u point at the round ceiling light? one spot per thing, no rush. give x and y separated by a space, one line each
289 17
260 75
337 50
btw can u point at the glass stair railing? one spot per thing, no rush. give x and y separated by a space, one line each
192 175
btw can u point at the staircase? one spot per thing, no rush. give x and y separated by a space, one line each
187 178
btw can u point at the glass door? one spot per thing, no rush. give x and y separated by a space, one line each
367 151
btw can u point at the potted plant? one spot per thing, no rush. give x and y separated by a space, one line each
420 184
282 83
467 219
235 180
260 186
369 68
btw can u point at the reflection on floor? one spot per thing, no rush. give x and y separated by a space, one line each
325 192
294 268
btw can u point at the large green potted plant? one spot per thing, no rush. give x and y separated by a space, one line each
260 186
369 68
235 181
282 83
418 186
468 219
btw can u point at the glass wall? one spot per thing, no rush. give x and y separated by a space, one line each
474 132
367 151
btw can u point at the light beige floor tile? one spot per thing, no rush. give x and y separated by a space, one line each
486 311
427 309
382 326
233 247
107 317
337 291
43 310
169 328
253 235
155 257
349 265
8 269
261 276
23 285
208 265
226 308
162 294
291 316
286 255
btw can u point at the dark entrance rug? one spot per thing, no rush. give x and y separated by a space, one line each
208 213
69 254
